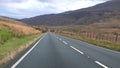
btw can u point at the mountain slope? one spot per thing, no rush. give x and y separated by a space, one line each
98 13
52 19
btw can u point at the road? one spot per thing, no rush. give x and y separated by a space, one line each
55 51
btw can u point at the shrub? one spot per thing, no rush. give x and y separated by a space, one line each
5 35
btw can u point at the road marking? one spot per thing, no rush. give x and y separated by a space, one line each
13 66
65 42
60 39
88 57
104 66
77 50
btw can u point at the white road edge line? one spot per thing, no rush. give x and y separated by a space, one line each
65 42
14 65
76 49
104 66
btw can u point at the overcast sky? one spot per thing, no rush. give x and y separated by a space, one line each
29 8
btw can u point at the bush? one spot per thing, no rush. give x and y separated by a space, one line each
17 34
5 35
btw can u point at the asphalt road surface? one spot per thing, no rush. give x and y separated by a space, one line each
55 51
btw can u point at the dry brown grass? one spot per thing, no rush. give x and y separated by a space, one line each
11 21
12 54
18 26
109 27
111 30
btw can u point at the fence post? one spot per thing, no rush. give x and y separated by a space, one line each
116 38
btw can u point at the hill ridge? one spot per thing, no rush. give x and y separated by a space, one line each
99 13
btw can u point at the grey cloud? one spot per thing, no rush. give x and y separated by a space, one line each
45 0
7 1
13 8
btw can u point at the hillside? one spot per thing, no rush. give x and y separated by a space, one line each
104 12
18 26
51 19
15 37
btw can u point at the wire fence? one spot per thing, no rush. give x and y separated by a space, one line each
109 37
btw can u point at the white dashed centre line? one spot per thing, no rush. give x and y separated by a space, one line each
60 39
65 42
104 66
76 49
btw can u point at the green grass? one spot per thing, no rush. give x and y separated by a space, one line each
10 41
14 44
104 44
5 34
1 66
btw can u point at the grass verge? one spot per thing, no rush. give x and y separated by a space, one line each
13 46
104 44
